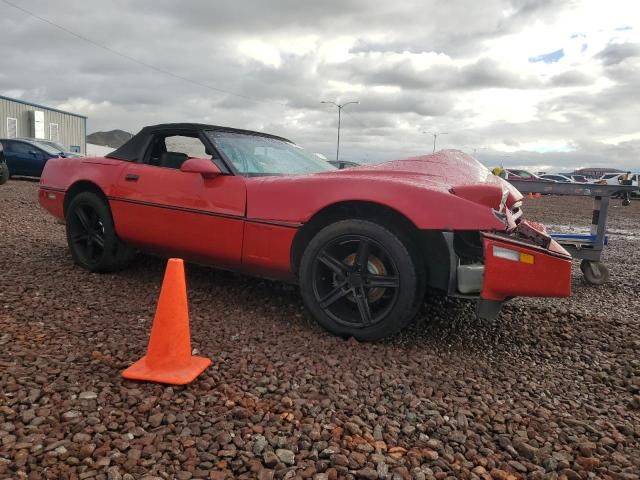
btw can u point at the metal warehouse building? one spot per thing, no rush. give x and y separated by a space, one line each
23 119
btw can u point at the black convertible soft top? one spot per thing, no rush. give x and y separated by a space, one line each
135 146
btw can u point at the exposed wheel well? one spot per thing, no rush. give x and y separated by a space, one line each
419 241
82 186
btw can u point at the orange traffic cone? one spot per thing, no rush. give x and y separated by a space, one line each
168 358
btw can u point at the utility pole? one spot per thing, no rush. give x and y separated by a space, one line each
340 107
435 137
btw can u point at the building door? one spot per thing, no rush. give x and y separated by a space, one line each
12 127
53 132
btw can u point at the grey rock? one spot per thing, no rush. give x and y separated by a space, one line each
286 456
71 415
270 459
259 444
113 473
367 474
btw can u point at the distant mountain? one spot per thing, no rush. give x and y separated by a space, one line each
113 138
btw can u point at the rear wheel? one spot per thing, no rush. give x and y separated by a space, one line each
359 279
91 235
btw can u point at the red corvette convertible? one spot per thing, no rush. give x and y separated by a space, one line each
363 243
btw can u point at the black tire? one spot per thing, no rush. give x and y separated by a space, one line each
5 175
91 235
595 273
359 279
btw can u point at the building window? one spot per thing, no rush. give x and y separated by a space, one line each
12 127
53 132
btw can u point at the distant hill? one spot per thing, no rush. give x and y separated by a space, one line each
113 138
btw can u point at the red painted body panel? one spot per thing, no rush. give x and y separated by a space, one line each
196 237
548 276
419 188
169 211
267 250
52 201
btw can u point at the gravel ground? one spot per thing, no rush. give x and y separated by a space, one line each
551 390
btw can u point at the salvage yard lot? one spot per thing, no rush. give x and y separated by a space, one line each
551 389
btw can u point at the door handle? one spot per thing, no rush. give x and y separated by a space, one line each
131 177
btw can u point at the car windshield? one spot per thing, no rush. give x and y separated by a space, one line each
255 156
47 148
59 148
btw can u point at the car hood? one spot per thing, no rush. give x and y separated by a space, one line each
447 170
446 167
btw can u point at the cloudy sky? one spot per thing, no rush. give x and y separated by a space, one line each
547 84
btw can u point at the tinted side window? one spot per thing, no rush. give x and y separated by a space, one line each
19 147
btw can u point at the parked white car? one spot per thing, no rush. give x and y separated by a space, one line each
578 178
556 177
616 178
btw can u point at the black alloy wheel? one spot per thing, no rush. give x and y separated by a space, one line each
86 233
359 279
91 235
355 281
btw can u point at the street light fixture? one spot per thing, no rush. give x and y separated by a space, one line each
340 107
435 136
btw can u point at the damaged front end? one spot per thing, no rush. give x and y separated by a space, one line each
521 260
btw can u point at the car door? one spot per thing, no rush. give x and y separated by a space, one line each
18 157
23 158
159 208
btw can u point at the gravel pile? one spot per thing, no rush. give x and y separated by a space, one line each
550 391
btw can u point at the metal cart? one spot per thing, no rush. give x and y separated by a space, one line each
587 248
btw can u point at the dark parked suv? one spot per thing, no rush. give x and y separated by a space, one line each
26 158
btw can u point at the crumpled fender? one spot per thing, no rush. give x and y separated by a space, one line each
426 204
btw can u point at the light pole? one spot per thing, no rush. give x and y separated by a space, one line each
340 107
435 136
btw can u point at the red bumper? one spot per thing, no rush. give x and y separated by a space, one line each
52 200
516 268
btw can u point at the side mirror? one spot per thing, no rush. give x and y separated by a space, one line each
204 167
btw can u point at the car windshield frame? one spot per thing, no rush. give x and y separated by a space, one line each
276 157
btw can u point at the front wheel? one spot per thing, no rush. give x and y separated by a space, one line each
359 279
91 235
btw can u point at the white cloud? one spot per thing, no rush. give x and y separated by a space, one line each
261 51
